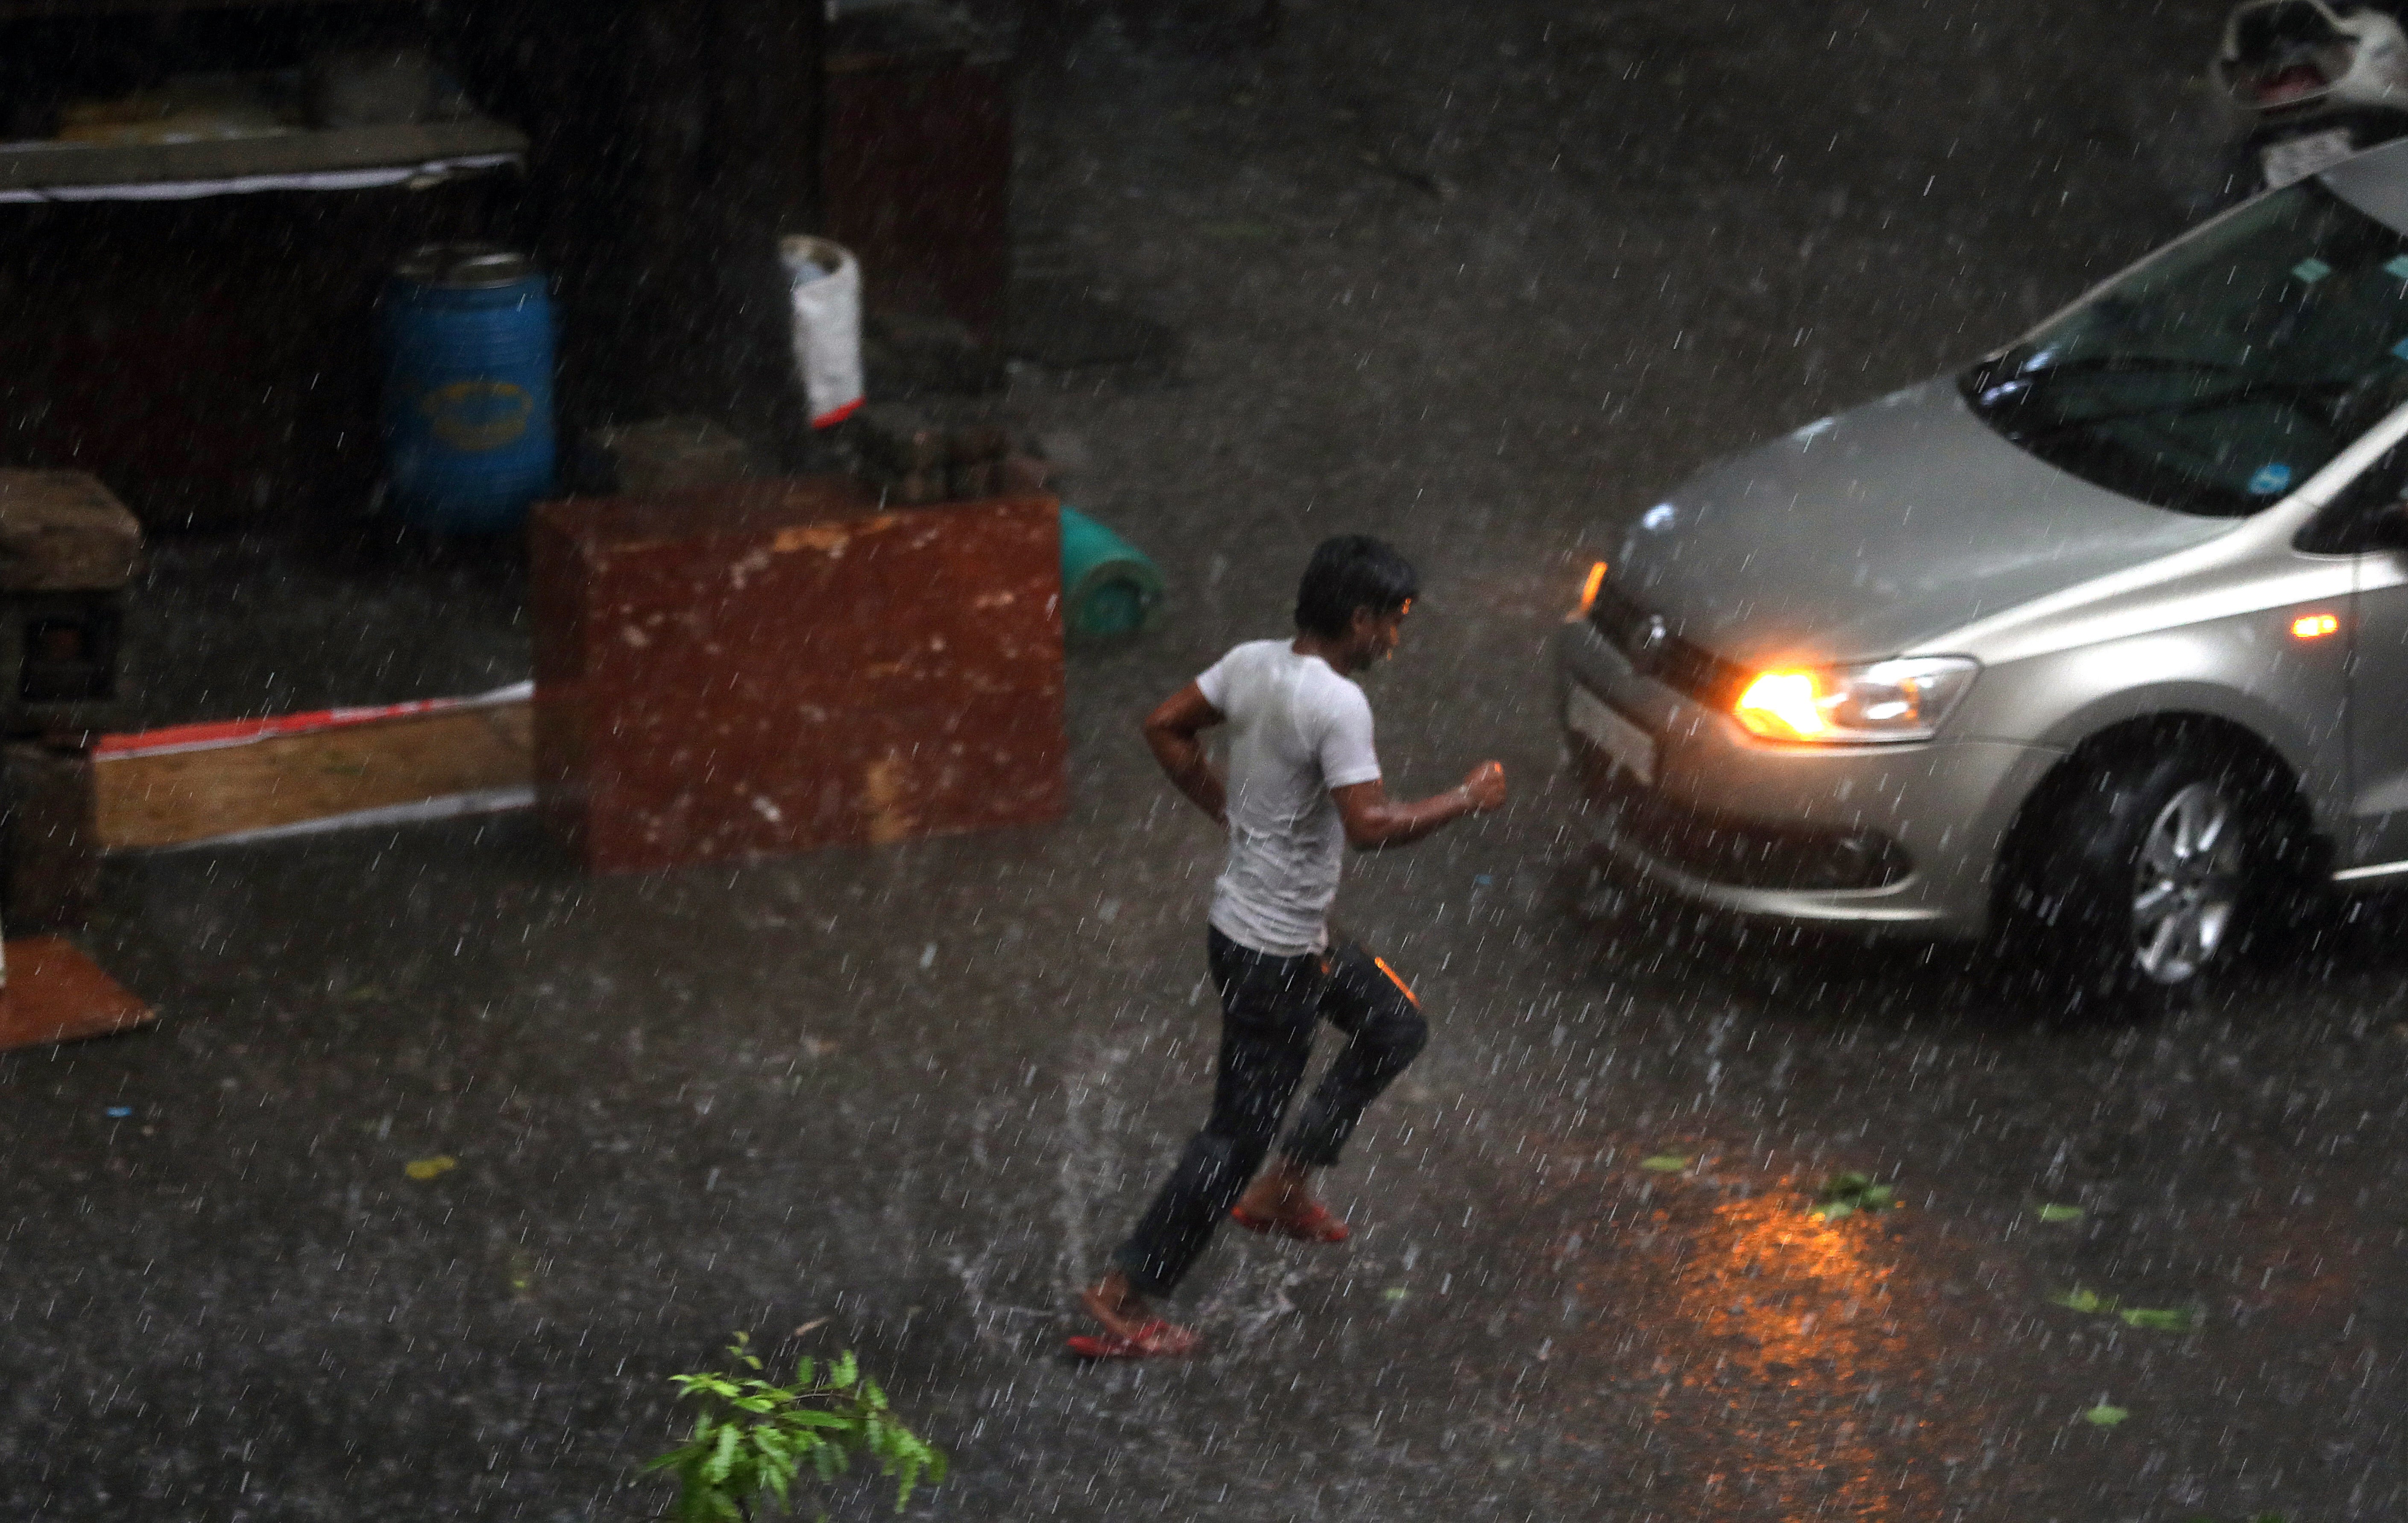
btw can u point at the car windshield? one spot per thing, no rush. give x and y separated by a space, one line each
2217 376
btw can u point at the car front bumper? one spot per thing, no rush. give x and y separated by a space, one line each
1895 838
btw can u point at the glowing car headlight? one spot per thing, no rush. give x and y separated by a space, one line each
1882 702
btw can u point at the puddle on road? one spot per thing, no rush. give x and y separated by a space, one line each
1799 1361
1781 1364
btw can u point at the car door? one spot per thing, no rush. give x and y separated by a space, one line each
2368 521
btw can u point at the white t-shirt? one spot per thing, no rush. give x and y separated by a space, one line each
1297 730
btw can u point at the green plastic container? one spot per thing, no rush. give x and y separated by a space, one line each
1110 590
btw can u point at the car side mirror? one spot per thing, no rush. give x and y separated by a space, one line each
2388 529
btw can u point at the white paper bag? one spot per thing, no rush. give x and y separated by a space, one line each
825 281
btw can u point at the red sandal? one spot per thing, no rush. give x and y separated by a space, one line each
1315 1225
1153 1340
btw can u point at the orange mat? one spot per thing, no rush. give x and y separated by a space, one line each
57 994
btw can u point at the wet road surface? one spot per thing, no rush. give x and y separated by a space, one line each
1477 281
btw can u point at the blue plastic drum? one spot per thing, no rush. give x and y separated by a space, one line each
468 388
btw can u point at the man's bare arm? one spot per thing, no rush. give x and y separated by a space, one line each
1373 822
1173 733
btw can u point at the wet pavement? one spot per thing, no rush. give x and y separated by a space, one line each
1479 281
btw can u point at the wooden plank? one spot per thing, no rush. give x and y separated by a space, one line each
63 531
12 10
57 994
162 799
25 11
289 153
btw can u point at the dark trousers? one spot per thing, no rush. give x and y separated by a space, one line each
1270 1007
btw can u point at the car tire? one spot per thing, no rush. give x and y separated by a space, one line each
2133 891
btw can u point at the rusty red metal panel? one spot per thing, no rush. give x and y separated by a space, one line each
780 665
918 178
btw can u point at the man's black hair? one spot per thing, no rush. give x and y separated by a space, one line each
1347 573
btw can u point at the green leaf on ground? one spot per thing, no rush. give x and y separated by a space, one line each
2159 1319
1842 1195
753 1437
1665 1162
2156 1319
2060 1212
2103 1415
1396 1292
430 1168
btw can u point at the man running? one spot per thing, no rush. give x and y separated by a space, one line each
1303 784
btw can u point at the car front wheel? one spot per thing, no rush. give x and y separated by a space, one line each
2186 887
2144 869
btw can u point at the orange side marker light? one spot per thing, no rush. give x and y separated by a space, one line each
2314 626
1588 592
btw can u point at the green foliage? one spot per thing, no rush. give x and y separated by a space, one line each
2154 1318
1845 1194
756 1437
2159 1319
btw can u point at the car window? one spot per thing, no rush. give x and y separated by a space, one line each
2217 376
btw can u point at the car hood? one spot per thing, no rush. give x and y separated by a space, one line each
1871 533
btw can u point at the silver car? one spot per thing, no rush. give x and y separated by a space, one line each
2105 640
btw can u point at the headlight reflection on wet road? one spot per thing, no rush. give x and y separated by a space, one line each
1804 1360
1788 1376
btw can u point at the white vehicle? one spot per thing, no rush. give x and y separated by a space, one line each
2313 82
2101 641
